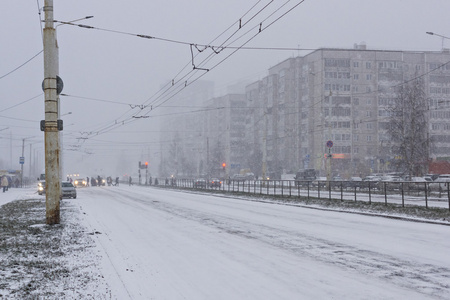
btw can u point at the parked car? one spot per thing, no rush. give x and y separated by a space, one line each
353 182
214 182
319 182
41 187
200 183
418 184
440 183
68 190
238 177
249 176
391 183
372 181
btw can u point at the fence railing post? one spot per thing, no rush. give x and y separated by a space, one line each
403 196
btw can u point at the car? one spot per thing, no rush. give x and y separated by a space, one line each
440 183
249 176
319 182
371 181
200 183
214 182
390 182
418 184
80 182
238 177
353 182
41 187
68 190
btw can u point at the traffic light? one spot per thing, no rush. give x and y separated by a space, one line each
224 165
146 164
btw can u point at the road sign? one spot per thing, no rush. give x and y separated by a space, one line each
22 160
330 144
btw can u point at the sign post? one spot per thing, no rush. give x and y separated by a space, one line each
329 145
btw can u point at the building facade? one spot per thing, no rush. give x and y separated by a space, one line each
286 121
342 96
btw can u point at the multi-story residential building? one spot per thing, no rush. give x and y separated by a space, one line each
342 95
225 134
284 121
182 131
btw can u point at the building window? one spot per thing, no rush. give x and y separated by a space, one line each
355 76
369 138
342 63
368 76
368 65
355 64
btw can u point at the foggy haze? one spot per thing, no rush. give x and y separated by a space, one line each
113 77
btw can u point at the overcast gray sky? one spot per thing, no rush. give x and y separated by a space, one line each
112 64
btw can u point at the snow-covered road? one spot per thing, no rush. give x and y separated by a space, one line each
163 244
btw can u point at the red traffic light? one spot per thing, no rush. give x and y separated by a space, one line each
224 165
146 164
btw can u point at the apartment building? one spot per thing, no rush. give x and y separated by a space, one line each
341 95
225 133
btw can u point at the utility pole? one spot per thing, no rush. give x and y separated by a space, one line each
21 163
50 125
264 146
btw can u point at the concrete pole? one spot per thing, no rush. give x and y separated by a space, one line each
21 165
52 178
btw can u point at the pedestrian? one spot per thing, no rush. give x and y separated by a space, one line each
5 183
130 181
87 181
117 181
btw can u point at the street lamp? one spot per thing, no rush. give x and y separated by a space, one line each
439 35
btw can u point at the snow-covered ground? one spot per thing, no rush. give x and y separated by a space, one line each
155 243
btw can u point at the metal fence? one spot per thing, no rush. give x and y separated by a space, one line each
428 194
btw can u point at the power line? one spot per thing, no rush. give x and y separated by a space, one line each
179 85
17 68
23 102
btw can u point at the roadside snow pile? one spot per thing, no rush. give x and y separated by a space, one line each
39 261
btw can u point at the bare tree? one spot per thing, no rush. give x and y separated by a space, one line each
408 128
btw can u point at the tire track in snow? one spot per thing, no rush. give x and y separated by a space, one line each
428 279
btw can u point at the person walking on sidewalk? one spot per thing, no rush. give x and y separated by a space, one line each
4 183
